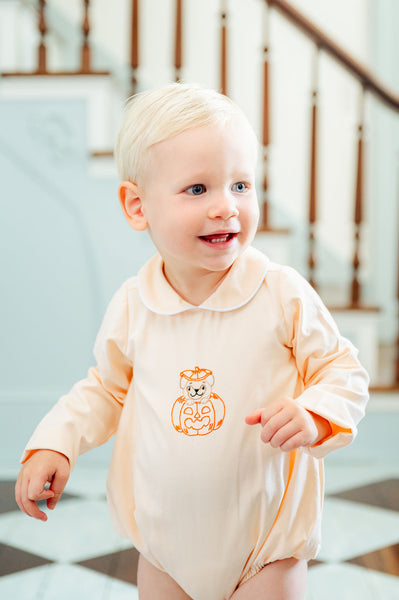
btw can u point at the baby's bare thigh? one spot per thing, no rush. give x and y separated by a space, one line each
153 584
280 580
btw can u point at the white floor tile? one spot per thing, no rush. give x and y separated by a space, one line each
350 529
384 587
26 585
349 582
76 530
341 476
118 590
66 582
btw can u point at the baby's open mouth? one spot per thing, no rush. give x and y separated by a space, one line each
218 238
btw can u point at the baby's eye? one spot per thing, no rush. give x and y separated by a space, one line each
197 189
240 187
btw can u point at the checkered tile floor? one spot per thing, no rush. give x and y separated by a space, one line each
77 555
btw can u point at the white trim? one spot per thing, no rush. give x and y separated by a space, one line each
201 306
383 402
189 306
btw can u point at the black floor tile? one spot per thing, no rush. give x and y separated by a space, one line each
120 565
314 563
384 494
7 496
13 560
385 560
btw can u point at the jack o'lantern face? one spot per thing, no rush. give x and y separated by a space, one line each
197 417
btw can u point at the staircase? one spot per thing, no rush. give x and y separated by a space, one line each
317 110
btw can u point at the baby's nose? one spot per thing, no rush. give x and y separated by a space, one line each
223 206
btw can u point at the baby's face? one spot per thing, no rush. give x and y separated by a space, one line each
199 197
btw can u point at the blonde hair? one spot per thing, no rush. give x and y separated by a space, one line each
157 115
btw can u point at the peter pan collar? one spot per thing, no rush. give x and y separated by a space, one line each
237 288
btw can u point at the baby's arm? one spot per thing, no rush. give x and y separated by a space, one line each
89 414
288 426
324 416
43 466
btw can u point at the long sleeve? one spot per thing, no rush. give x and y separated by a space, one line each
89 414
335 383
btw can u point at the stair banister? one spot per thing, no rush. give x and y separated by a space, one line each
358 211
85 66
223 46
396 374
264 219
42 50
134 45
178 39
325 43
313 171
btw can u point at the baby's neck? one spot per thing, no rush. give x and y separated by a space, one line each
193 288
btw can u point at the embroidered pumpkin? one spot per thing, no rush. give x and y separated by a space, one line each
199 411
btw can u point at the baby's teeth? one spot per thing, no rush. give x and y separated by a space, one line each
220 239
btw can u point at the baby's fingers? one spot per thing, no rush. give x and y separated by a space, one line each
254 418
57 487
37 491
27 504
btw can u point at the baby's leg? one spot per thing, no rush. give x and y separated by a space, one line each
280 580
153 584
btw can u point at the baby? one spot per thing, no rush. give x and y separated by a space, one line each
210 345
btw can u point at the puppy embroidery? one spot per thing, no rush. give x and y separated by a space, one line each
199 411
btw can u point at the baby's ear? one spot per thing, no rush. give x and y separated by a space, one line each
210 379
132 206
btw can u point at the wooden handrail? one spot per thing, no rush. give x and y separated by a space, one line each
325 43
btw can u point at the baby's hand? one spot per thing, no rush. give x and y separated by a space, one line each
44 466
287 425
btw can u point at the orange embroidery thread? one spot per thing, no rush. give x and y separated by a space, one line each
199 411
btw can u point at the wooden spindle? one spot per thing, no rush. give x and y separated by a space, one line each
42 50
223 47
178 39
134 49
264 220
85 66
358 212
397 339
313 176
